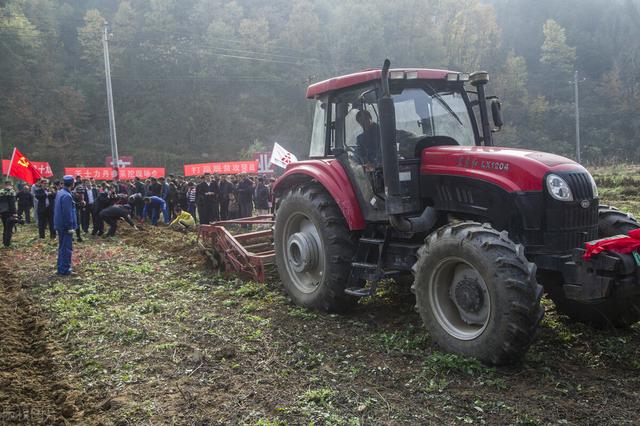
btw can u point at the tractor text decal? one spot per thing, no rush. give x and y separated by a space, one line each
473 163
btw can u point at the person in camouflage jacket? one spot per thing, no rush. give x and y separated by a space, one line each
8 212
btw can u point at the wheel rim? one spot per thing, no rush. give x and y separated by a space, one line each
303 252
460 299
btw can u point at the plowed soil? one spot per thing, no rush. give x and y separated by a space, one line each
146 334
33 389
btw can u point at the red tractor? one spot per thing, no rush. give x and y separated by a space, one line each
403 181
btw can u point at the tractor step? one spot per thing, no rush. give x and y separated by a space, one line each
364 265
369 272
372 267
364 240
358 291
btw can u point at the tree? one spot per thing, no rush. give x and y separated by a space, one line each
555 54
513 80
472 36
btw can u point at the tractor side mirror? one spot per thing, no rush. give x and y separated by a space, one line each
496 113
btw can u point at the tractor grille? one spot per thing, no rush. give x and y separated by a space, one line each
566 241
567 224
580 185
572 217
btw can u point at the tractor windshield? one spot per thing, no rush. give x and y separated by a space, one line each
421 112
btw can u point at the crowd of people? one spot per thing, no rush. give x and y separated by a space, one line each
182 202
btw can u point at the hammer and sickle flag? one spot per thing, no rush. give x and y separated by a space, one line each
22 168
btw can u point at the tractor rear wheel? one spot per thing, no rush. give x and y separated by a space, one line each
314 249
476 292
613 312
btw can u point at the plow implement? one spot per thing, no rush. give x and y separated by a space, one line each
235 248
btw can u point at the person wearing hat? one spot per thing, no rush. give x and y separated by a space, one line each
111 215
65 223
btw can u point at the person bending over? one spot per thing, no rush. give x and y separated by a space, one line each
111 215
154 205
183 221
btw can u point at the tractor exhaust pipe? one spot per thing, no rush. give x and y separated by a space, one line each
389 147
391 171
479 79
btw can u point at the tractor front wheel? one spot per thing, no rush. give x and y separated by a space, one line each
614 311
477 293
314 249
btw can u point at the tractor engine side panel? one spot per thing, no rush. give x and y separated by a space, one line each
517 212
543 225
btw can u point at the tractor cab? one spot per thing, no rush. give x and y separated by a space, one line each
432 108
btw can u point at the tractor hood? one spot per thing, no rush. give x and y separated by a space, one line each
512 169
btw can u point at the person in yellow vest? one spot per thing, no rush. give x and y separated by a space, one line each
183 221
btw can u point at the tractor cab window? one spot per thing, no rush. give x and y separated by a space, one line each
358 119
362 133
421 113
318 133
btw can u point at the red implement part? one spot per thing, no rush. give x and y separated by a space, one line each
244 254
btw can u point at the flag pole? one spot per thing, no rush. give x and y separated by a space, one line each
13 154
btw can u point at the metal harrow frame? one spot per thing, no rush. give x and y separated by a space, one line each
234 252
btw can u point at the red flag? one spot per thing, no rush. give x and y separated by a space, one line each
22 168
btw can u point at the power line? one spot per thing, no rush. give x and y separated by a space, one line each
179 30
212 50
271 57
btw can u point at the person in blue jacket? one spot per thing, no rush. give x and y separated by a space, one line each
65 222
154 204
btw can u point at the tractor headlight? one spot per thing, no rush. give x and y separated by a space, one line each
558 188
594 187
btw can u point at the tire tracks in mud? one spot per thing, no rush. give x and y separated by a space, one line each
31 389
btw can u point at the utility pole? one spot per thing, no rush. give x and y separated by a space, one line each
575 83
115 161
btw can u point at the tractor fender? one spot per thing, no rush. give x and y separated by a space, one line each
332 176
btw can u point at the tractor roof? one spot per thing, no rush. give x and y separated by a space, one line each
354 79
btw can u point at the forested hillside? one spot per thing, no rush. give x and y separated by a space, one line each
202 80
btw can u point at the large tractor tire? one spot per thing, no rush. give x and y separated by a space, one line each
314 249
613 312
476 292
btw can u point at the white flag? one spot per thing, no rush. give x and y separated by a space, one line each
281 157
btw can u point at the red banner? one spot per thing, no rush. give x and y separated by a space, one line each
42 166
228 168
106 173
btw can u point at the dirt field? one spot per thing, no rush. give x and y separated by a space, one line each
145 334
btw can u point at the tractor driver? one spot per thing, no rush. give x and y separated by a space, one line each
368 142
